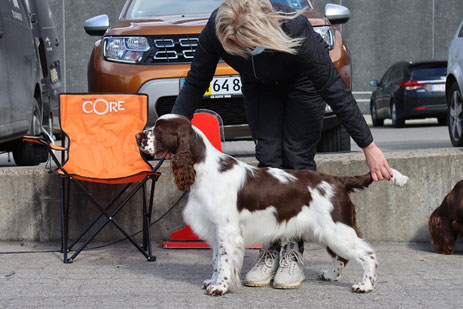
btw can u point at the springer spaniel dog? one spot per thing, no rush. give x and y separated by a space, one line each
233 205
446 221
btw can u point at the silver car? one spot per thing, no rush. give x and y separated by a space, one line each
454 87
29 77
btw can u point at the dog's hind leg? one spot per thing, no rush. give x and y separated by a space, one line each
230 254
336 268
343 241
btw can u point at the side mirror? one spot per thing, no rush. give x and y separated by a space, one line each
374 83
97 25
337 14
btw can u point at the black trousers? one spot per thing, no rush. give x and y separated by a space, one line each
285 119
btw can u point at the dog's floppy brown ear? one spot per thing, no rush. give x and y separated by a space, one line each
443 237
182 163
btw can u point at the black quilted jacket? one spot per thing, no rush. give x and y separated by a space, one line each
312 59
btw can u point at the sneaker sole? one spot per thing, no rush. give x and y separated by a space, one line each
252 284
287 287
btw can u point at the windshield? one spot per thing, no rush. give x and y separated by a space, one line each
295 4
145 9
429 73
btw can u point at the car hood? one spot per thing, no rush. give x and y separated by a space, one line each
169 24
177 24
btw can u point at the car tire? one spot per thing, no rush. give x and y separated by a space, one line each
442 120
374 116
455 115
334 140
396 121
28 154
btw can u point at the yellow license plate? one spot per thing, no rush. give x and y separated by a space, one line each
222 86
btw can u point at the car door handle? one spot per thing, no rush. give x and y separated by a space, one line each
1 34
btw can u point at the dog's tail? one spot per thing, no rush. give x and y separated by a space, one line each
398 179
358 183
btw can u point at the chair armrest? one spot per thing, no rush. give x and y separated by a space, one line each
42 141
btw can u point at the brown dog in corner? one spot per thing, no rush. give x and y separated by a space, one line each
446 222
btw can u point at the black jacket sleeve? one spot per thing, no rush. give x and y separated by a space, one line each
201 73
313 57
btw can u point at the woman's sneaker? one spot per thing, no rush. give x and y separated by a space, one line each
264 269
290 273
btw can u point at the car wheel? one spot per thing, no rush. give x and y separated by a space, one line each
334 140
28 154
455 116
396 121
374 116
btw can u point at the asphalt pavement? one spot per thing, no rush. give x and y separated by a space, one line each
409 276
417 134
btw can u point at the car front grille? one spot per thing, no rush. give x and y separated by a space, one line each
230 109
172 49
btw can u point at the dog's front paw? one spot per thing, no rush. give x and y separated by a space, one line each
329 276
206 283
216 289
363 287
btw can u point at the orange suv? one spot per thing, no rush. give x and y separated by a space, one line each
151 47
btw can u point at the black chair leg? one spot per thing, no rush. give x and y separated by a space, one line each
146 235
144 219
153 182
147 222
65 189
67 199
63 210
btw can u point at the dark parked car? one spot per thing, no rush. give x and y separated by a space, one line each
410 90
29 77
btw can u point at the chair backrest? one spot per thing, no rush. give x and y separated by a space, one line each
209 125
101 129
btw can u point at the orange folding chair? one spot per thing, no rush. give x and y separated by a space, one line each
102 148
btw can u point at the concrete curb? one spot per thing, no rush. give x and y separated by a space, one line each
30 203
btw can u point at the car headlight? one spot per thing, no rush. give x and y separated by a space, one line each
125 49
327 34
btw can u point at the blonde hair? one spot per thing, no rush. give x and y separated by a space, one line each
255 24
